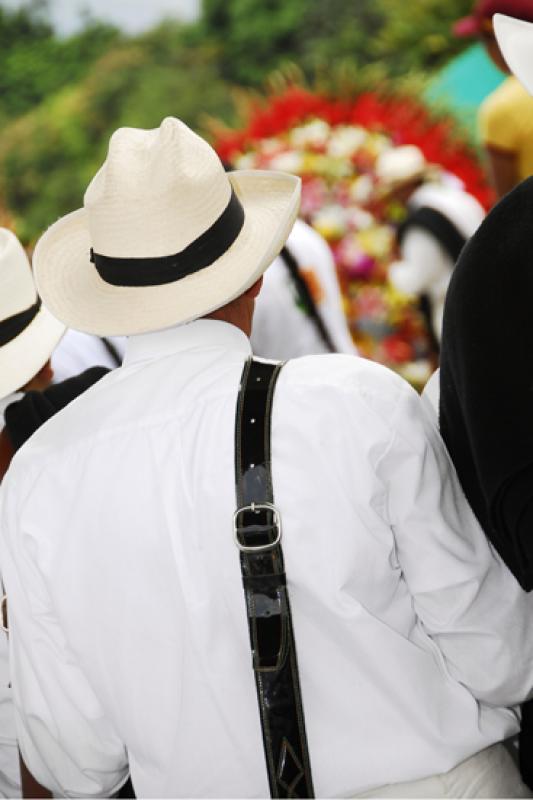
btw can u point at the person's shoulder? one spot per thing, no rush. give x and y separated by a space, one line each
308 245
500 111
507 94
72 427
514 92
333 380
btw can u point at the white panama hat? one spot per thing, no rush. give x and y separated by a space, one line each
400 165
172 236
28 332
515 40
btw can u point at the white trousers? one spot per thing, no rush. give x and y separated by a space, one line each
490 773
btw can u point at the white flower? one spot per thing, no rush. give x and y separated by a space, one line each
313 133
287 162
270 146
361 189
346 140
246 161
331 221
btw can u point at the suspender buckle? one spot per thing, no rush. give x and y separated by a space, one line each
258 520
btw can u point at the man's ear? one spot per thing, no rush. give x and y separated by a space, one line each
254 290
41 380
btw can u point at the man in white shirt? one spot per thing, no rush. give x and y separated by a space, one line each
28 335
441 217
129 631
284 326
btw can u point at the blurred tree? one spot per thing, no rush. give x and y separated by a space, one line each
60 99
255 37
35 63
418 36
48 155
335 30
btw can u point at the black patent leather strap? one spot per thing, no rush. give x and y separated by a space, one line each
267 602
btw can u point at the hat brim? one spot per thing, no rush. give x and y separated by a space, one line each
388 186
515 40
75 293
23 357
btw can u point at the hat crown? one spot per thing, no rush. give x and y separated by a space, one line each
17 289
400 163
157 191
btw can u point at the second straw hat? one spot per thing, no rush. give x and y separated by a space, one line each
28 332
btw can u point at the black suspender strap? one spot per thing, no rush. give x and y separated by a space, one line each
257 531
112 351
436 223
306 298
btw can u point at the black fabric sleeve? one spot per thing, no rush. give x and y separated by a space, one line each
23 417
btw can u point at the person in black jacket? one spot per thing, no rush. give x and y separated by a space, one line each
486 377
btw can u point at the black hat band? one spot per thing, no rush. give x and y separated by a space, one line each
202 252
11 327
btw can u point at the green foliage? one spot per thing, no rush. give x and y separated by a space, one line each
253 36
335 30
34 63
256 36
60 99
418 36
48 155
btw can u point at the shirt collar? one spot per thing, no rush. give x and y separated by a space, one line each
202 334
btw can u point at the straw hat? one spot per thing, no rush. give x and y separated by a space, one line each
28 332
515 40
400 166
165 235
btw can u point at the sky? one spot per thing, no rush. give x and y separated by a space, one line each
131 16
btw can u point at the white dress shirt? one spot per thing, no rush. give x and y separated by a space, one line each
129 633
9 754
281 328
78 351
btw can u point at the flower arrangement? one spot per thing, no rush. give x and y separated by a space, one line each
333 145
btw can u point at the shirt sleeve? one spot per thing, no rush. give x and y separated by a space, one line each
424 263
65 738
463 594
499 120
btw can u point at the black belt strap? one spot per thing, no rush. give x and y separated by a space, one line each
257 530
306 299
111 351
442 228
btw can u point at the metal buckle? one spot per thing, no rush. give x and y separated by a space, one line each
255 508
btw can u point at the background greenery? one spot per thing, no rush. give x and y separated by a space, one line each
60 99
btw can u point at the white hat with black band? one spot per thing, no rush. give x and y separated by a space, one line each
28 332
165 235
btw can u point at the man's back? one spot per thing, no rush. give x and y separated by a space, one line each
131 592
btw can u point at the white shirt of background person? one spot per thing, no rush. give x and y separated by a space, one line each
79 351
281 328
